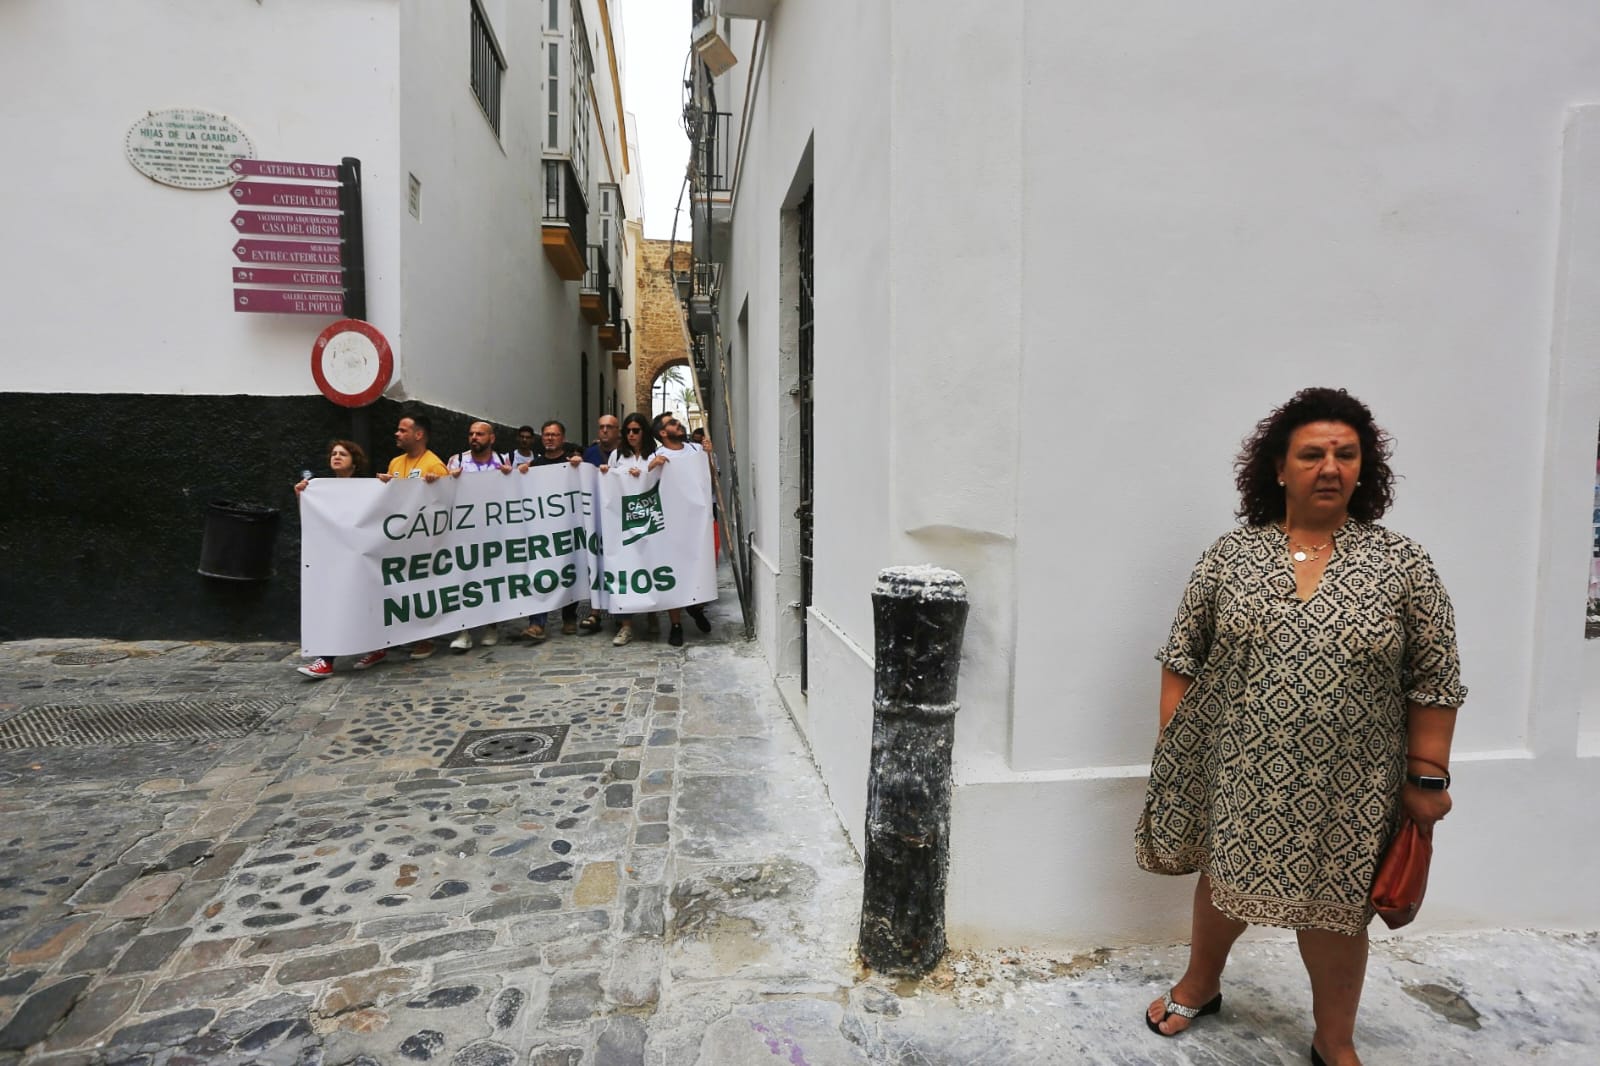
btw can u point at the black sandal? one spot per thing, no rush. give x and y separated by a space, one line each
590 625
1191 1013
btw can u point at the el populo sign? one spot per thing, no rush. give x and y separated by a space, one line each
186 148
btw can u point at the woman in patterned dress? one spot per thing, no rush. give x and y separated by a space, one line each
1308 696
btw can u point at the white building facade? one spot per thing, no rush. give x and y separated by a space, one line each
1037 268
467 117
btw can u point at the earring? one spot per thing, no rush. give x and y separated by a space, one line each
1358 484
1280 484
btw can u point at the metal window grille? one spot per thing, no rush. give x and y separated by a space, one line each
488 68
552 133
582 68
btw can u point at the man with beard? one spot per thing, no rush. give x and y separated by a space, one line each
674 439
554 451
414 461
479 458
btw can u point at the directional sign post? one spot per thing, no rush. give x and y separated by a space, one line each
287 224
331 279
316 209
289 301
269 168
285 194
305 253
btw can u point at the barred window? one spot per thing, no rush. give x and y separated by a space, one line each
488 67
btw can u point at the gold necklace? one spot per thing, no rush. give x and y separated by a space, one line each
1303 552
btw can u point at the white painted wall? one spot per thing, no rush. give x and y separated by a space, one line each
118 284
114 283
490 328
1073 252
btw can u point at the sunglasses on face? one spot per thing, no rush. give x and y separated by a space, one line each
635 429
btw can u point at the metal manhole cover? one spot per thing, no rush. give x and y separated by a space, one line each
508 747
93 657
62 725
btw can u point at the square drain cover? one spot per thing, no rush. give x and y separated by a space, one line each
508 747
62 725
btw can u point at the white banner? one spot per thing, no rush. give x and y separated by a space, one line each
656 527
386 564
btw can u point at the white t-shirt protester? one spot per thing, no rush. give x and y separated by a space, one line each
465 463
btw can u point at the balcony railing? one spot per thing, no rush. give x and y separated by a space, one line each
597 278
564 203
712 153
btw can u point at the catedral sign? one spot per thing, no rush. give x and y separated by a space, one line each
388 564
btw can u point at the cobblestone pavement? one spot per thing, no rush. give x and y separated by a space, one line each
331 879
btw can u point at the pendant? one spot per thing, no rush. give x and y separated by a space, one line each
1299 557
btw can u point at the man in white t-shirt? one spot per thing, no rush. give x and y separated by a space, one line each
674 438
480 457
527 443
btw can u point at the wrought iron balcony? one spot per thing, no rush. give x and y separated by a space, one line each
566 219
592 293
705 285
611 332
713 155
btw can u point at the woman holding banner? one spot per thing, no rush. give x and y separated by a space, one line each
346 458
635 454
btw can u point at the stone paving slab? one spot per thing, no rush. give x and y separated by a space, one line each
670 888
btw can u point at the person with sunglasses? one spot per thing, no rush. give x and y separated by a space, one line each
635 454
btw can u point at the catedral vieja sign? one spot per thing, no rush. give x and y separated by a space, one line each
384 564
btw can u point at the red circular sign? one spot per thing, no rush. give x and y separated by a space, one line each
352 363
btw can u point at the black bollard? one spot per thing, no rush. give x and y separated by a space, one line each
918 614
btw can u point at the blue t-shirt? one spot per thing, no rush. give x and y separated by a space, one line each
594 456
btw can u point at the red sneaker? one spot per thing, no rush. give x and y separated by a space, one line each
372 658
317 669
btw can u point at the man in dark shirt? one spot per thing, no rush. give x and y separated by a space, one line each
555 450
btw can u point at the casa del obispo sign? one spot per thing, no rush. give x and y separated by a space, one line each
187 148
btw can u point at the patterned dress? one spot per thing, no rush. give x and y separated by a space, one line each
1279 774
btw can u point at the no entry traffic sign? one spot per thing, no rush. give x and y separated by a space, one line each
351 363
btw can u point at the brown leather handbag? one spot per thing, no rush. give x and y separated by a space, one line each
1403 875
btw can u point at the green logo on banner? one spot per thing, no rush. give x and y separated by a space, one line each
642 515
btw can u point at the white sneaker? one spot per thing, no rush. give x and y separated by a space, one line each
491 636
624 635
463 641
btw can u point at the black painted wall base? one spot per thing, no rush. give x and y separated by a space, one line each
105 500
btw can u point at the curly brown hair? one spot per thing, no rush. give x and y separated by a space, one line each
1261 499
358 456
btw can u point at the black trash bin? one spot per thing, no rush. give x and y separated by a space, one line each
238 541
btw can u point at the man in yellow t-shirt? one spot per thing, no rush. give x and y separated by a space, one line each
415 461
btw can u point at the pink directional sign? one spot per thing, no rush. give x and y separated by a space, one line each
288 301
286 224
283 194
268 168
282 276
291 253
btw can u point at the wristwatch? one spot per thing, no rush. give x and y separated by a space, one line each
1432 784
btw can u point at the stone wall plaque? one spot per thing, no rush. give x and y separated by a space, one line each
187 148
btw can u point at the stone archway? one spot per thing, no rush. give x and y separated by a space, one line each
659 338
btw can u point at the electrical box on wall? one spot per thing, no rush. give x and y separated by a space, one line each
711 48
